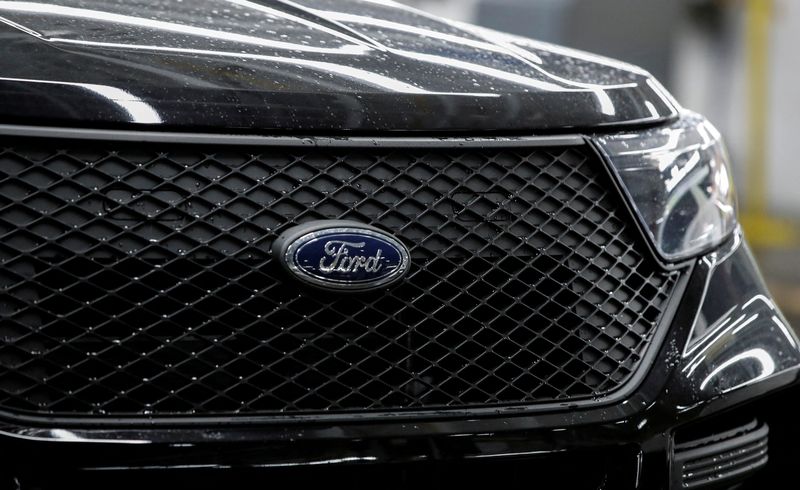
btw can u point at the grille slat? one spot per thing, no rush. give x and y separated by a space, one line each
138 280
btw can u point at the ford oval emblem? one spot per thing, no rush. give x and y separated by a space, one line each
342 255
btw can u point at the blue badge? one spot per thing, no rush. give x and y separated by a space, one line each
342 255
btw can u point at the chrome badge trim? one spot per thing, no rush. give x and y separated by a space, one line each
342 255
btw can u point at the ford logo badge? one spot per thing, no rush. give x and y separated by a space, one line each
342 255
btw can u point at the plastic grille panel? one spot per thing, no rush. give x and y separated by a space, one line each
137 280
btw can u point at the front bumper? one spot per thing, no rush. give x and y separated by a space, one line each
728 347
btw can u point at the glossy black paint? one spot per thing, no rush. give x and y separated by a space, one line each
366 66
313 66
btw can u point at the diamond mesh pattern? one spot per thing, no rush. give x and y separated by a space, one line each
137 280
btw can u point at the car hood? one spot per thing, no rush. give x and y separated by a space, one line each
312 66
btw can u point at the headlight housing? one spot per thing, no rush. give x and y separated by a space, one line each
679 182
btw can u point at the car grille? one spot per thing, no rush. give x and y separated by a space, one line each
137 280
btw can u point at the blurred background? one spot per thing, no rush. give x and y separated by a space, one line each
735 61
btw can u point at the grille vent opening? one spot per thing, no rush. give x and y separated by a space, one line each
722 458
137 280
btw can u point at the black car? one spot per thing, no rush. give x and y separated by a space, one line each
263 242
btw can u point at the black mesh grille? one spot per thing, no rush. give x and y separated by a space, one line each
138 280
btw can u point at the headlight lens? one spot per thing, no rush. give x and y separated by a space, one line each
679 181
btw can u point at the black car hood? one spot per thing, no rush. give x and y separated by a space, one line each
313 66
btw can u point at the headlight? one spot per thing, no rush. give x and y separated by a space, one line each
679 182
